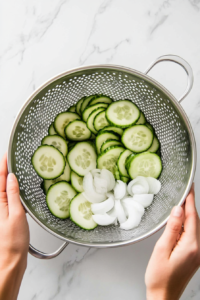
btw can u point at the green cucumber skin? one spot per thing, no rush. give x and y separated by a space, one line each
99 96
131 149
158 146
49 132
128 160
135 156
143 121
122 126
149 126
125 179
93 130
78 105
95 106
69 204
82 104
107 128
118 143
72 218
115 134
121 174
34 167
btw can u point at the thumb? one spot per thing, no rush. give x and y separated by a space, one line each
169 237
14 203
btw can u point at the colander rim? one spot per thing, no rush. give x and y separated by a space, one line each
157 85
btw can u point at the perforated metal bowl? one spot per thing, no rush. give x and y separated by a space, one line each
161 109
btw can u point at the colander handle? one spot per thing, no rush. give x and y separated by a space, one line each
184 64
39 254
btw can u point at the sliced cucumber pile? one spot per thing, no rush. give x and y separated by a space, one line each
97 132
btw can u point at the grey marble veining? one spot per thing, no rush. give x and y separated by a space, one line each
41 39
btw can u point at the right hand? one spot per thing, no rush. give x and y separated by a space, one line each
176 257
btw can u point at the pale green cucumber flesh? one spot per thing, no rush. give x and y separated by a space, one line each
77 131
121 162
58 199
57 141
100 121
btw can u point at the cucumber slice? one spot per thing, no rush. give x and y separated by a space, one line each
101 99
48 162
81 213
103 136
109 143
82 158
86 101
137 138
71 145
122 113
125 179
100 121
145 164
149 126
88 110
78 105
155 145
142 119
108 158
77 182
57 141
90 120
58 199
62 120
51 130
77 131
121 162
116 172
113 129
72 108
64 177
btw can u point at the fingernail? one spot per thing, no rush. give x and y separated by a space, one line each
177 211
11 177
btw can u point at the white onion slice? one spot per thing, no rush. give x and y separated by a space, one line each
120 189
121 216
96 171
113 213
145 199
109 178
126 202
89 191
134 218
154 185
103 220
100 184
133 186
103 207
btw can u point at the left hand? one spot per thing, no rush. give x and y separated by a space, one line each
14 235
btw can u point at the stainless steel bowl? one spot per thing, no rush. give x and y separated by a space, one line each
161 109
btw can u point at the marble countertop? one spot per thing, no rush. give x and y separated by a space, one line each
40 39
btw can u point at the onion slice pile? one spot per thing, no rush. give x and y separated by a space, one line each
125 204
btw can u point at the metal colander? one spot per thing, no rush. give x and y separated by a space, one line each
161 109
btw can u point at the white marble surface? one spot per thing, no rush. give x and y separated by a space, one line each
39 39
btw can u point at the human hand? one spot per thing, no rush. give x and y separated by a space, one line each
176 257
14 235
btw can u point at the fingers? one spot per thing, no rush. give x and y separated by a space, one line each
14 204
3 196
168 239
191 215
